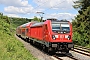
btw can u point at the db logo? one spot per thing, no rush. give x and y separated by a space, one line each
61 36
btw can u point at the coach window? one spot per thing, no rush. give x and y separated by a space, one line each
26 29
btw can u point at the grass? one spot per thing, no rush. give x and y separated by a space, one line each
10 47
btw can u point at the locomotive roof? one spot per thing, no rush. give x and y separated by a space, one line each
60 22
37 24
53 19
24 25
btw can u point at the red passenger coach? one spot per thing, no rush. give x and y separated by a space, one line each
18 31
53 36
24 30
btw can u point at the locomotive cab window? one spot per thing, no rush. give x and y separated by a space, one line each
56 27
60 27
65 27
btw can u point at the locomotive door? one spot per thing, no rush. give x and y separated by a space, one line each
45 32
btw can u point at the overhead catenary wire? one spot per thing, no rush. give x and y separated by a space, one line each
37 7
54 6
47 8
40 5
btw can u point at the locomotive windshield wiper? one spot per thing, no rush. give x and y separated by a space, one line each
66 31
56 31
60 31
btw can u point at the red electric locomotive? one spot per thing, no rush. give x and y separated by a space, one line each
52 35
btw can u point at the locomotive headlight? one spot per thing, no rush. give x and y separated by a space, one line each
54 36
68 37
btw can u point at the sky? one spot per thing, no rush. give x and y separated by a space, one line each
59 9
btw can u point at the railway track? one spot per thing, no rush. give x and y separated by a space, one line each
87 49
79 49
65 57
82 50
72 57
57 57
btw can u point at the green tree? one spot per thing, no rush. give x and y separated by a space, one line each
1 15
36 19
81 24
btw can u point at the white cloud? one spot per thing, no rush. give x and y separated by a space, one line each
13 15
23 7
17 7
14 2
61 16
42 3
18 10
55 4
